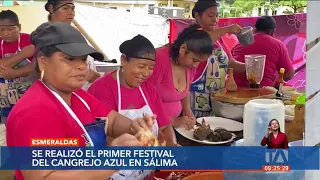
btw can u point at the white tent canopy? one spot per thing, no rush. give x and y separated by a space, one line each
108 28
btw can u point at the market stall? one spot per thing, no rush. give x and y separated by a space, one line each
242 117
291 30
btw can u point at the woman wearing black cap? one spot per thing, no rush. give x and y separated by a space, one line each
127 92
56 107
64 11
211 74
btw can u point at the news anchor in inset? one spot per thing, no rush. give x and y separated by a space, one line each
55 106
275 138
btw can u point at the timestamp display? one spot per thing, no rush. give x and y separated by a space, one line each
276 168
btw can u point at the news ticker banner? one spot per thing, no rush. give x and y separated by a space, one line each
161 158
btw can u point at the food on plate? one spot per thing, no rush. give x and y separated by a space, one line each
146 137
204 132
224 134
214 137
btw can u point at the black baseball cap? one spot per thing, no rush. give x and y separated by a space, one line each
265 23
64 37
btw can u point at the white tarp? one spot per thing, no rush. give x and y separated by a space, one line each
108 28
313 29
312 123
312 127
313 65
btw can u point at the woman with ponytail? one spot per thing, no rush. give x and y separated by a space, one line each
127 92
175 69
211 73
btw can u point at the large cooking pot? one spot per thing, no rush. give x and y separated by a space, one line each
227 110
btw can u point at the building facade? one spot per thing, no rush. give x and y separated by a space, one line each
183 7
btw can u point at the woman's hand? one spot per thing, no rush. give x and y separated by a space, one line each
183 121
188 112
27 51
125 140
7 73
268 131
233 29
142 123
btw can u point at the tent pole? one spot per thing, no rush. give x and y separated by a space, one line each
87 36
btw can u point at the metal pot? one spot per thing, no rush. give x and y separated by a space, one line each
227 110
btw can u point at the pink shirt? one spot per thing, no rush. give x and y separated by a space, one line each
276 57
105 90
38 114
10 49
162 80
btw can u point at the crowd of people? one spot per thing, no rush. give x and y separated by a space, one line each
42 75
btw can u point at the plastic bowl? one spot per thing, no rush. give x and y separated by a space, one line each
288 90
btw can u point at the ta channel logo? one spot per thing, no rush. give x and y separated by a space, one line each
276 156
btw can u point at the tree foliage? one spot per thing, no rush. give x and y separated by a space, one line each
247 6
295 5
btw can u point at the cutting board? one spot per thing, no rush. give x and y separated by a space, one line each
243 95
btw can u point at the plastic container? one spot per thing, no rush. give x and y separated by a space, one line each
255 67
288 90
245 37
257 115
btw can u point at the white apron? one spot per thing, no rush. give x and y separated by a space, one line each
134 114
